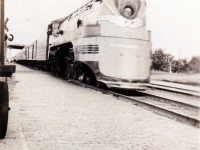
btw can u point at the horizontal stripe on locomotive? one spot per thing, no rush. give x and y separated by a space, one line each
86 49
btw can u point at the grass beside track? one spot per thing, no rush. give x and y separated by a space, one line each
189 79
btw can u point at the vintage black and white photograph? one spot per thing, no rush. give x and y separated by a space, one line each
99 75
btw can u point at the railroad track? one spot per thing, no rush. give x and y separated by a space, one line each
184 89
179 109
175 109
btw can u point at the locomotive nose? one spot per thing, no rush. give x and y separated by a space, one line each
128 8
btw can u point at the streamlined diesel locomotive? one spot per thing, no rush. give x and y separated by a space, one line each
105 42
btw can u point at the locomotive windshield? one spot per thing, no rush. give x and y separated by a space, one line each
55 28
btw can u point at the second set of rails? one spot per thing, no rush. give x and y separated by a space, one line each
185 111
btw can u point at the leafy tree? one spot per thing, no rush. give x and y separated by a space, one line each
184 66
175 66
159 60
180 66
194 64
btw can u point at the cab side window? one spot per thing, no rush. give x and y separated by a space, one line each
55 29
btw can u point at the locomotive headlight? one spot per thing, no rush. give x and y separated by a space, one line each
128 11
128 8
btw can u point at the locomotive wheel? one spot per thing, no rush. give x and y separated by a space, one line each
88 79
49 67
68 73
57 70
4 102
52 68
81 77
74 72
46 66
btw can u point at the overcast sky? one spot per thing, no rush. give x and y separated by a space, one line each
175 24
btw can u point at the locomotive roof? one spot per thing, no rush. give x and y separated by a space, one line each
85 7
58 20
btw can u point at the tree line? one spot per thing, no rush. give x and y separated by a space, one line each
166 62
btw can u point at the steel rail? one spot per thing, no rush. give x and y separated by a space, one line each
157 109
173 100
175 89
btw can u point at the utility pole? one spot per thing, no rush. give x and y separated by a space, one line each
2 38
5 71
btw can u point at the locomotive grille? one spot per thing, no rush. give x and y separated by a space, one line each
87 49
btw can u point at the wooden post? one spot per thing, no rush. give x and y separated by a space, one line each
5 71
2 38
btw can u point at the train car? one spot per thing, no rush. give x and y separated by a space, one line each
105 42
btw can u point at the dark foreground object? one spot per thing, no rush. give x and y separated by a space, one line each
5 71
4 100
